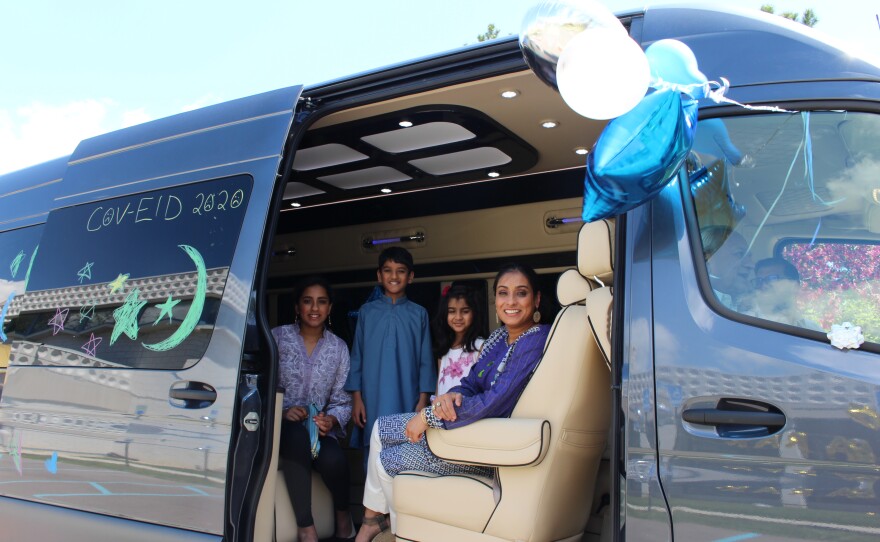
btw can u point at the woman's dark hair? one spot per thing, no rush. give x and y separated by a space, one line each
529 274
443 336
313 280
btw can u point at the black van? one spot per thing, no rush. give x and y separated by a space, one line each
142 274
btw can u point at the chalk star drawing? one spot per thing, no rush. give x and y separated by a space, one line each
13 267
3 316
86 312
118 283
92 345
166 308
126 317
85 272
57 321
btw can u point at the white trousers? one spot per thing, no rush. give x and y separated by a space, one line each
379 484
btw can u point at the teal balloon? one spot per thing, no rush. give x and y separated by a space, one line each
674 65
638 154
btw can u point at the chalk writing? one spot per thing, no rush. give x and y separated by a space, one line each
166 308
195 310
145 210
13 267
57 321
126 317
91 345
3 316
118 283
237 198
85 272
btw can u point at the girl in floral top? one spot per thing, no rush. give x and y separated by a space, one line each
456 328
313 367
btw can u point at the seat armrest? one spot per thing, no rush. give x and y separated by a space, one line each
495 442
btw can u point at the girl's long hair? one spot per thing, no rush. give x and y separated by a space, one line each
443 335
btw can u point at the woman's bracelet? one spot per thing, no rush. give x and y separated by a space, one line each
430 419
423 415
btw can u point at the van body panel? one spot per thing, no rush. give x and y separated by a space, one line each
753 485
26 195
113 440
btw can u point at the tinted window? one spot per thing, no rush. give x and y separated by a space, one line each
133 281
788 207
17 248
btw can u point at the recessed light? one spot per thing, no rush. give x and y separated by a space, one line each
493 174
295 204
549 124
385 190
405 123
581 150
510 94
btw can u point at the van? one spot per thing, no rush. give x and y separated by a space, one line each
142 274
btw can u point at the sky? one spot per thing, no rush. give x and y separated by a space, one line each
73 70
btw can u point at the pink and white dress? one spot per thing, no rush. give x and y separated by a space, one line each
455 365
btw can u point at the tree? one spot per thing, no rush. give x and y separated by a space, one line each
490 34
809 17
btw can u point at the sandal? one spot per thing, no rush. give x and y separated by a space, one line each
380 521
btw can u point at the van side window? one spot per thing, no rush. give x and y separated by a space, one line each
788 209
17 249
134 281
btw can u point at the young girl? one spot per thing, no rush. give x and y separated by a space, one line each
456 330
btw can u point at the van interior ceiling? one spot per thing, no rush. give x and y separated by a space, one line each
382 173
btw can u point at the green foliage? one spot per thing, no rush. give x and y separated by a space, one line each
490 34
809 17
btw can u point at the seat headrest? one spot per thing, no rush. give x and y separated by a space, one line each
572 288
595 252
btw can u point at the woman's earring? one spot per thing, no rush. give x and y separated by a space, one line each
497 320
296 318
536 317
329 324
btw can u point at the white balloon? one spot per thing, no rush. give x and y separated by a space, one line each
602 73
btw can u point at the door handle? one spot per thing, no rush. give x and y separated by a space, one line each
738 418
190 394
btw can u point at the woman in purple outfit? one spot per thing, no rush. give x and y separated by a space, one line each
490 390
313 368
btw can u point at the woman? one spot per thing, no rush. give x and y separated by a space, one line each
313 369
490 390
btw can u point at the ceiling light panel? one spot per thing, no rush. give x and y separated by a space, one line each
331 154
295 190
419 137
481 158
365 177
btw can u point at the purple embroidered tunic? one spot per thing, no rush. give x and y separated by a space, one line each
319 378
490 390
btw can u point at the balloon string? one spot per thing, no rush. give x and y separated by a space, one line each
794 160
718 96
815 233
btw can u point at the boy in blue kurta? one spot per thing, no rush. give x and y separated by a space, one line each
392 368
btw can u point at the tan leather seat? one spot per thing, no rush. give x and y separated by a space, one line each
547 454
322 510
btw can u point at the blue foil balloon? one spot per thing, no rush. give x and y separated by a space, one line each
638 154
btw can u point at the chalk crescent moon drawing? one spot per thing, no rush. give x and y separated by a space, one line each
195 310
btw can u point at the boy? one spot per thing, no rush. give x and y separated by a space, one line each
392 368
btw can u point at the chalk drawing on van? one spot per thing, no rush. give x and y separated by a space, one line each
87 312
3 315
27 276
118 283
126 316
91 345
195 310
166 308
16 262
57 321
51 464
85 272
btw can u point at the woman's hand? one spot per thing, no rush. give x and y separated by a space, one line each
296 413
325 423
415 428
444 406
358 410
